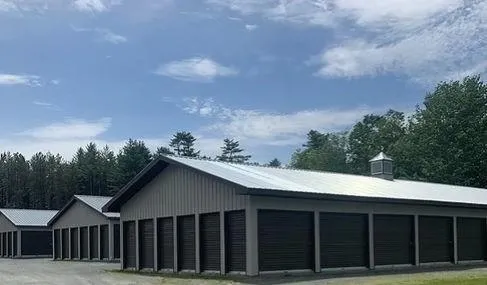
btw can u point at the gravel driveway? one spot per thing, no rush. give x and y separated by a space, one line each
44 271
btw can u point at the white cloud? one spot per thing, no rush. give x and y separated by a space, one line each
110 36
424 40
94 6
198 69
69 129
250 27
259 127
43 104
55 82
20 79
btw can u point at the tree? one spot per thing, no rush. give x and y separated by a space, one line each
231 152
375 133
275 163
325 152
183 144
447 138
162 151
132 158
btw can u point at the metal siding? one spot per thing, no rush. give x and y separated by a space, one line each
165 236
210 242
94 242
186 243
79 215
181 191
130 247
146 241
235 241
343 240
57 244
6 225
393 239
65 243
116 241
104 242
435 239
84 242
471 235
74 243
286 240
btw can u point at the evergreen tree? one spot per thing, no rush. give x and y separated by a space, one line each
183 144
275 163
162 150
132 158
231 152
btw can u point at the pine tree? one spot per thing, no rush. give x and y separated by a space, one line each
132 158
183 144
162 150
231 152
275 163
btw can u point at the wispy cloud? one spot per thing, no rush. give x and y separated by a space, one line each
20 79
43 104
55 82
261 127
251 27
197 69
103 34
426 41
95 6
70 129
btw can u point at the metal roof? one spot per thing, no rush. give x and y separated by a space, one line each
97 203
284 181
381 156
28 218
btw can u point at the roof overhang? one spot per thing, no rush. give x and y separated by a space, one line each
349 198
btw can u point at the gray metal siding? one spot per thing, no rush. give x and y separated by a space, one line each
181 191
79 215
6 225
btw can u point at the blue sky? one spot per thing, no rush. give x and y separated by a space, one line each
262 71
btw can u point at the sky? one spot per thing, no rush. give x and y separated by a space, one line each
264 72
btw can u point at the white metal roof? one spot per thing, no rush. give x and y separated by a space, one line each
282 179
97 202
28 218
381 156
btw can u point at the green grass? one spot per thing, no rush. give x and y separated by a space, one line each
454 281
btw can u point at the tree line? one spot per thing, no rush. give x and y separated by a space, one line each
444 141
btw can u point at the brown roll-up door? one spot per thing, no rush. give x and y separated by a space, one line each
74 243
104 242
130 246
471 235
235 241
210 242
116 241
186 243
65 243
435 239
286 240
94 242
84 242
393 239
146 244
57 244
165 243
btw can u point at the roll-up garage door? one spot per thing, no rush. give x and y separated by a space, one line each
116 241
94 242
5 245
146 244
186 243
74 243
57 244
210 242
286 240
393 239
235 241
65 243
84 242
165 243
435 239
344 240
104 242
2 245
14 237
41 246
471 233
130 249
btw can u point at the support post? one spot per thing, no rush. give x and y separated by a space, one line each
317 241
53 245
175 241
122 237
111 241
156 244
455 241
371 241
416 240
251 218
70 254
222 243
137 246
19 243
197 243
79 243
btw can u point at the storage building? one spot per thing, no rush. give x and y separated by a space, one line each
182 214
24 233
81 231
